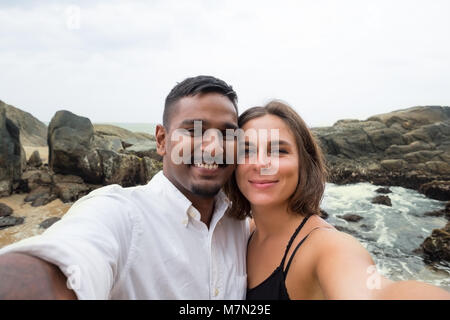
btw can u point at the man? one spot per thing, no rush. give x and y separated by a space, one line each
169 239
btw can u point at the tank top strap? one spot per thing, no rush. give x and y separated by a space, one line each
292 240
298 246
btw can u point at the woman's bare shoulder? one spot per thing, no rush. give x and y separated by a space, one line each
325 237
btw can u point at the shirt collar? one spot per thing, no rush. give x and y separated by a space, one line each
182 205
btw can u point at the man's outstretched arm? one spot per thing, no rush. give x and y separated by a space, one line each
28 278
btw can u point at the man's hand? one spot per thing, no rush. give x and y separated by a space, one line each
24 277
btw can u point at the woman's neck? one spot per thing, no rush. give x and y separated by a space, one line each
274 220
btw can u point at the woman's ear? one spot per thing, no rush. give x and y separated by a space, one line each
160 136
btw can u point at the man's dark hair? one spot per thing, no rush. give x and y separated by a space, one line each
193 86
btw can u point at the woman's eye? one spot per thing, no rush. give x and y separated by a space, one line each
277 152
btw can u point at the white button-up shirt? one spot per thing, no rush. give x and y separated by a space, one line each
145 242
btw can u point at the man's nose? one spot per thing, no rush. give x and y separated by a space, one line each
213 142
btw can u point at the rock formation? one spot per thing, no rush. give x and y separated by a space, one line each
98 157
32 131
406 148
12 154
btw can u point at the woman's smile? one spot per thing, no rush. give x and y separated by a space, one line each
262 184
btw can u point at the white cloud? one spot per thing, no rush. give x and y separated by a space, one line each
329 59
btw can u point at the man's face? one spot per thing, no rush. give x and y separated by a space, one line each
215 111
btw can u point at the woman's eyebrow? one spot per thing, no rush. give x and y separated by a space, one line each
280 142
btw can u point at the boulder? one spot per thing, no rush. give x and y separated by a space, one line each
10 221
5 210
144 149
422 156
393 164
350 217
384 138
71 192
32 179
436 133
48 222
437 246
127 137
438 167
323 214
413 118
40 196
69 140
35 160
12 154
383 190
384 200
32 131
414 146
439 190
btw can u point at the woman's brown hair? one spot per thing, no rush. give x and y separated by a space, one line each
312 172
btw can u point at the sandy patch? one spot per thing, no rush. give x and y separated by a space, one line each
33 217
43 152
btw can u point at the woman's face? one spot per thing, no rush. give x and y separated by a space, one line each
279 185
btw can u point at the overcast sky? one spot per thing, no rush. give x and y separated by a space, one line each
115 61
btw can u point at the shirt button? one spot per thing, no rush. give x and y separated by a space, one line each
216 292
185 222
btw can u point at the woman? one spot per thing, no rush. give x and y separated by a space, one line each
292 252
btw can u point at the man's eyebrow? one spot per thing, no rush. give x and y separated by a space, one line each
189 122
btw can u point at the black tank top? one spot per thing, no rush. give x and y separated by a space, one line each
274 288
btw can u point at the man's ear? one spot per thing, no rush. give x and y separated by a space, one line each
160 136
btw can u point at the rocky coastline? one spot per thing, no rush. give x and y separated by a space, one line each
41 166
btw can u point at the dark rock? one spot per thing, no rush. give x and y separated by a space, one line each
436 213
43 200
5 210
366 227
32 131
393 164
437 246
323 214
70 192
147 149
12 154
440 213
404 148
384 138
10 221
401 150
48 222
127 137
39 192
69 140
346 230
413 118
34 178
439 190
383 190
350 217
35 160
385 200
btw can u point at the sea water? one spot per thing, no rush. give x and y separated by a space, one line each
390 234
